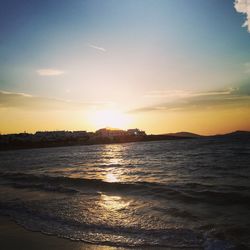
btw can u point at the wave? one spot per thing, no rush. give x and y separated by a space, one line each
120 236
61 182
186 192
34 218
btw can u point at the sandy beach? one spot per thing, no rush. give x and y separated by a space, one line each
15 237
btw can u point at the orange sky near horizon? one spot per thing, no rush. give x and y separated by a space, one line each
205 122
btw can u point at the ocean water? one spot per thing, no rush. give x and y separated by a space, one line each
171 194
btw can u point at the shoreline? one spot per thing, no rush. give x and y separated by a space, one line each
15 237
57 145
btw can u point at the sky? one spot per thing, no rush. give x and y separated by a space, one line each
159 65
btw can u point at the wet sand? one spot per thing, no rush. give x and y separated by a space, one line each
15 237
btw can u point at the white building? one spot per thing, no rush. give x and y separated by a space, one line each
110 132
136 132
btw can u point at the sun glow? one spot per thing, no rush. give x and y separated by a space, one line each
109 118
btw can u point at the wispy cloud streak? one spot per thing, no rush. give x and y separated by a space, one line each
97 47
30 102
49 72
177 94
230 97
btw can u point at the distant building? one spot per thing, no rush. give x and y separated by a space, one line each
79 133
110 132
136 132
51 135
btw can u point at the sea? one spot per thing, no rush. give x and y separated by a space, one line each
176 194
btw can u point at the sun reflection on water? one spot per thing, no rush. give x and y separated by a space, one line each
113 162
111 202
110 177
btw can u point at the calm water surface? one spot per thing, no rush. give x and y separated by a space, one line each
172 194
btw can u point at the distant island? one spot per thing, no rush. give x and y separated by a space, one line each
43 139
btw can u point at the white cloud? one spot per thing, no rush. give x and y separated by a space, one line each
49 72
97 47
243 6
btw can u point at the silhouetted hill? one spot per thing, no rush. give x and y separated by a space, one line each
184 134
236 134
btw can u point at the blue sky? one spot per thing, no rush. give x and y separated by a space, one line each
112 51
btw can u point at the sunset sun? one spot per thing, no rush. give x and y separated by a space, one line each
109 118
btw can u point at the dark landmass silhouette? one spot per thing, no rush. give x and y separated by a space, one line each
25 141
184 134
235 134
